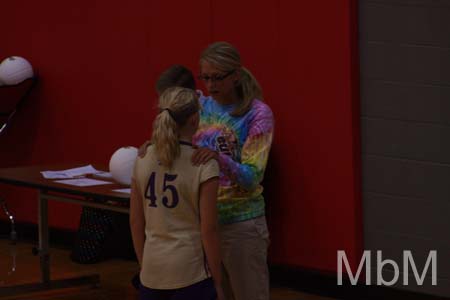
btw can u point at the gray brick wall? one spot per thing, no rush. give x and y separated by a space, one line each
405 127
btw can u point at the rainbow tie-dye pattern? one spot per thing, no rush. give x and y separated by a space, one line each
243 144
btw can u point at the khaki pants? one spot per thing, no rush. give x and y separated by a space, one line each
244 251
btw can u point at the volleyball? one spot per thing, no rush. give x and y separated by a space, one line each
121 164
14 70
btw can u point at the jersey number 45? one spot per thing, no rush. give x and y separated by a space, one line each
167 187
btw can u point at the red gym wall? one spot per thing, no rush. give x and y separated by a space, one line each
98 61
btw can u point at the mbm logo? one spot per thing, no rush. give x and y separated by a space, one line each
407 260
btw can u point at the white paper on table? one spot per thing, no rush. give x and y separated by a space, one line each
102 174
83 182
70 173
125 191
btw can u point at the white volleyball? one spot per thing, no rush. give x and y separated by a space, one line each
121 164
14 70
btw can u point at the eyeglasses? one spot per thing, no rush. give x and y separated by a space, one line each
215 78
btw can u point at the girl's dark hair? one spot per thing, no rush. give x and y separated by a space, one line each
176 75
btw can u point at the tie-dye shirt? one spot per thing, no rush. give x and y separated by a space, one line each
243 144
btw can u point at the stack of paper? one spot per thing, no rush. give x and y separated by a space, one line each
69 173
83 182
75 176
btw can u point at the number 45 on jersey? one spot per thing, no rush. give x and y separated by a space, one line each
167 187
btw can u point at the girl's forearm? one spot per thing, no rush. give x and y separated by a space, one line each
210 240
138 236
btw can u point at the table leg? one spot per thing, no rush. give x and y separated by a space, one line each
44 254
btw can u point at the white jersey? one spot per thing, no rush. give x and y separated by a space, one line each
173 253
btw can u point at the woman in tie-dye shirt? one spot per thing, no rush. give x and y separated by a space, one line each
236 128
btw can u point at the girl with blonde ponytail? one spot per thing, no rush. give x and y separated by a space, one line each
173 213
176 106
236 129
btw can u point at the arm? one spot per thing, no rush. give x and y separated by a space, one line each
254 154
137 220
208 224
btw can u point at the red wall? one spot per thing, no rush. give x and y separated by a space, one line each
98 61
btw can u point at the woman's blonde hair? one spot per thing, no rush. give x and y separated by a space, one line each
176 105
226 58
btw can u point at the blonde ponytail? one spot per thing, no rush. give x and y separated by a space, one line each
247 89
165 138
176 105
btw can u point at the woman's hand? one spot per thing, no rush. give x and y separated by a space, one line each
202 155
143 149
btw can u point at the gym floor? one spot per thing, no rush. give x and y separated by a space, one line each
114 274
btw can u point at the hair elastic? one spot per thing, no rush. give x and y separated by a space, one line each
172 115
